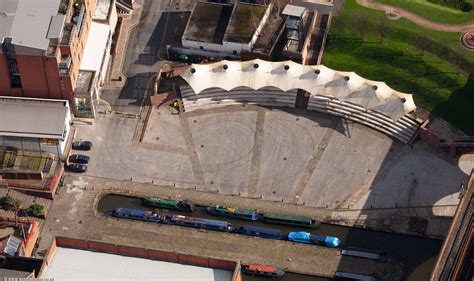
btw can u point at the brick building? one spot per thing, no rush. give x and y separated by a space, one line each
42 46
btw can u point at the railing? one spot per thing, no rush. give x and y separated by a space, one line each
68 34
52 51
64 6
65 65
80 20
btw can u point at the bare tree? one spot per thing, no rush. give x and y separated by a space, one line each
339 25
361 24
422 42
383 29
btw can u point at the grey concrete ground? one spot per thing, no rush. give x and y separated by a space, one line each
288 155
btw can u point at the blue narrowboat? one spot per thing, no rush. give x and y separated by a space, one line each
133 214
308 238
200 223
259 231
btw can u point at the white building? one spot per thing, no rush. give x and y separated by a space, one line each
95 61
222 29
35 124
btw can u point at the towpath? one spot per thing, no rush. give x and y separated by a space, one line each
416 18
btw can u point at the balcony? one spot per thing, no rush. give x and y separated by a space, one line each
78 18
68 34
65 65
64 6
52 51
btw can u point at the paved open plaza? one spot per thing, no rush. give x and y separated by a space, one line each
284 155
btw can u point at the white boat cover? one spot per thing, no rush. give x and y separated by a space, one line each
314 79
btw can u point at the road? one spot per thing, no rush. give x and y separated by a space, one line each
141 59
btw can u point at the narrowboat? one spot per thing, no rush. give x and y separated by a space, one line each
164 203
341 275
263 232
200 223
289 220
232 212
262 270
370 254
308 238
133 214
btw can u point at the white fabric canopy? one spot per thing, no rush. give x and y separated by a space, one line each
288 75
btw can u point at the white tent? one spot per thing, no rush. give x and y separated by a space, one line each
288 75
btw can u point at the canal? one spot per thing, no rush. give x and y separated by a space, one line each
418 255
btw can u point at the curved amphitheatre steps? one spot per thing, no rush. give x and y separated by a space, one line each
343 94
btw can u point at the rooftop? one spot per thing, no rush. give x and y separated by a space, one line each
84 81
243 22
294 11
207 22
27 117
29 22
97 265
23 160
94 50
102 8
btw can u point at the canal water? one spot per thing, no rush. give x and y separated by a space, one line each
418 255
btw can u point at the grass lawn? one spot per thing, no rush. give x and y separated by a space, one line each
436 85
434 12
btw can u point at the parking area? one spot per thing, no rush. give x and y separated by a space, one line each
278 155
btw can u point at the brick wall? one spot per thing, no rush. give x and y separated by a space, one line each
141 253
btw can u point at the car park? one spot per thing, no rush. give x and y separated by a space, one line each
77 168
79 158
82 145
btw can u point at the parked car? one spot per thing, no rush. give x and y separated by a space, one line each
77 168
82 145
79 158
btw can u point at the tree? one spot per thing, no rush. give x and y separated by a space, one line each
36 210
361 24
422 42
383 29
339 25
11 204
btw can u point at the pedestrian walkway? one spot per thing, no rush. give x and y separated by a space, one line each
416 18
128 24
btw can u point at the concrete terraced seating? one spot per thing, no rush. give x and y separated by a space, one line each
403 129
215 97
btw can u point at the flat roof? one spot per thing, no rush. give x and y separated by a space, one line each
94 50
207 22
294 11
26 117
28 22
88 265
84 81
244 22
102 8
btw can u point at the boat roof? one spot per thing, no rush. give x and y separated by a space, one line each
164 200
234 210
260 267
131 211
261 229
211 222
288 217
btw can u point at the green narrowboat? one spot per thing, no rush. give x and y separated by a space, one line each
232 212
164 203
289 220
